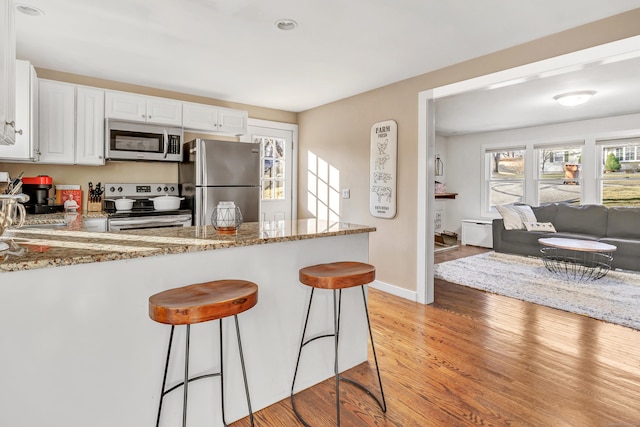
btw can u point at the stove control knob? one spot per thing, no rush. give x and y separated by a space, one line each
119 189
159 189
173 188
112 189
166 189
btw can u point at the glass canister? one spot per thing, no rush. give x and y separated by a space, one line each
12 211
226 217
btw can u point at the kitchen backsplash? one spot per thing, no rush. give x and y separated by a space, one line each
111 172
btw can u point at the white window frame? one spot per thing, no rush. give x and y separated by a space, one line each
562 146
487 166
616 142
274 180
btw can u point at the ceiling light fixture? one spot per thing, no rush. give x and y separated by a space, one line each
286 24
29 10
572 99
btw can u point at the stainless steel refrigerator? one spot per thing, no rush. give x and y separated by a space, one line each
217 171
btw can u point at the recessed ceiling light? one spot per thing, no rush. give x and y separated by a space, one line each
572 99
286 24
29 10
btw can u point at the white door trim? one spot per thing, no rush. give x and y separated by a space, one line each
294 155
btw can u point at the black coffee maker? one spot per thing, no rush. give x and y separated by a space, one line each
38 189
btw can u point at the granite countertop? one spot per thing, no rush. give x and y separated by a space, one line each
62 217
32 248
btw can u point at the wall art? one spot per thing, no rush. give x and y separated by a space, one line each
384 153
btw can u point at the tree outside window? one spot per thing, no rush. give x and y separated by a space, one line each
620 172
506 178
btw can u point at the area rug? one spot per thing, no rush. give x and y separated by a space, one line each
615 298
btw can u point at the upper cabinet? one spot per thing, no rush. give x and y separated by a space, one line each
26 145
7 73
57 109
89 126
201 117
71 124
142 108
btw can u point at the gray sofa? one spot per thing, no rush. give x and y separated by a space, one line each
619 226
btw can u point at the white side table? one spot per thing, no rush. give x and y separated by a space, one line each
477 232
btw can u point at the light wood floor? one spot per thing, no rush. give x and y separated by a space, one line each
474 358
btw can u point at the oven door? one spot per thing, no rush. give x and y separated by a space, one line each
141 223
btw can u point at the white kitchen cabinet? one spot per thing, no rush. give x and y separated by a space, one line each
142 108
7 73
57 102
89 141
199 117
164 111
26 146
71 124
232 121
202 117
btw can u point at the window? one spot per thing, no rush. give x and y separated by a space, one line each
619 172
558 175
505 175
273 160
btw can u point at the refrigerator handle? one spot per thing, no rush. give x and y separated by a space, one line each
202 157
166 143
203 208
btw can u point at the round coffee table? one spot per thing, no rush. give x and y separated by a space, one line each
577 259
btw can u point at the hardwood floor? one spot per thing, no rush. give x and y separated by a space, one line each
474 358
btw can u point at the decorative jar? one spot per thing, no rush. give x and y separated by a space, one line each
226 218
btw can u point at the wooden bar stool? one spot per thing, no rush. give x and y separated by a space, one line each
337 276
198 303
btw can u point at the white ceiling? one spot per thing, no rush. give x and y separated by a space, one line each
616 81
231 50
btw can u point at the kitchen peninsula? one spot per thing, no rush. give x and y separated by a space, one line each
79 349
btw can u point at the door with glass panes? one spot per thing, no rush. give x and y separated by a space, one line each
276 163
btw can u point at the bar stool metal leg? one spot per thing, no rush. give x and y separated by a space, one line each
186 377
336 332
244 371
302 344
382 404
220 346
337 308
164 378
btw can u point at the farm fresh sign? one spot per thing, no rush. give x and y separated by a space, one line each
384 152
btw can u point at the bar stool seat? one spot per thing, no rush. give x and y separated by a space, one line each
337 276
199 303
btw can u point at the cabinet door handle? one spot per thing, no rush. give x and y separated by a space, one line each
12 123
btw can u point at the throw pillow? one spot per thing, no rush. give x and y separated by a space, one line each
540 226
515 216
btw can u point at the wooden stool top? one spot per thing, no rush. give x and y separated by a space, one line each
203 302
338 275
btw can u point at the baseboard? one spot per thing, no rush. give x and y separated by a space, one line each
394 290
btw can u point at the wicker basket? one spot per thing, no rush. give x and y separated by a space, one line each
449 237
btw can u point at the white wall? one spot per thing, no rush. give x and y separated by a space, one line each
464 153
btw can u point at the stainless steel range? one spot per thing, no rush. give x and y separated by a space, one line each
142 213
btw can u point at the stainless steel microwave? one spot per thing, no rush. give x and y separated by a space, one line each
142 141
